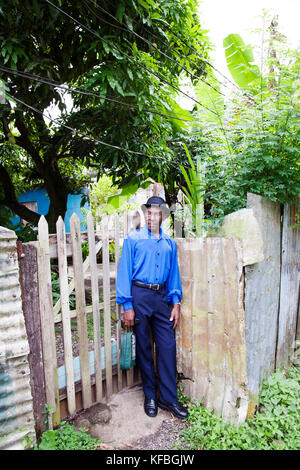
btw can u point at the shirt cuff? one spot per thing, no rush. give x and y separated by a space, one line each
175 299
127 306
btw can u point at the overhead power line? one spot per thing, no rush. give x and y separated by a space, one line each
182 56
92 2
127 56
93 139
55 84
131 31
177 52
201 57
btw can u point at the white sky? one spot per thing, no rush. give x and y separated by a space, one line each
222 17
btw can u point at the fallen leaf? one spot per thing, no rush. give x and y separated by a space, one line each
105 446
127 444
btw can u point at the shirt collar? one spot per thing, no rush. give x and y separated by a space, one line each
149 234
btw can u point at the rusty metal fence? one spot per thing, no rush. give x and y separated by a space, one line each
16 407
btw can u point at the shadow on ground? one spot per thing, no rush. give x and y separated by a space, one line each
121 423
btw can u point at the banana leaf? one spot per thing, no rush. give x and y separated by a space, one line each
208 93
240 62
185 117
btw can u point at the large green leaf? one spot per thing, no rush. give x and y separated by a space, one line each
185 118
194 181
240 62
194 192
209 95
128 190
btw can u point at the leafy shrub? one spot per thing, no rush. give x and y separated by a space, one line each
275 426
66 438
56 291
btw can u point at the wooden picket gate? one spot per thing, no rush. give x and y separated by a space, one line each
97 367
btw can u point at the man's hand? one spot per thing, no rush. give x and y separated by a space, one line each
175 314
128 317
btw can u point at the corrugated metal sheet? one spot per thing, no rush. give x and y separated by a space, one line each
262 282
211 334
289 285
16 415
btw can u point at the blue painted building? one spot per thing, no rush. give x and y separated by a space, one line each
38 200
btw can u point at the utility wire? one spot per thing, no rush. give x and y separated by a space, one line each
93 139
191 74
197 53
127 56
52 83
156 37
201 57
186 58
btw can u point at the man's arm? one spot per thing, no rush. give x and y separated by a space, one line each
174 289
123 285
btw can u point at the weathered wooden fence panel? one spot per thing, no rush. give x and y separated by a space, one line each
96 307
65 313
211 334
47 322
87 372
289 285
262 281
27 253
80 311
107 312
118 306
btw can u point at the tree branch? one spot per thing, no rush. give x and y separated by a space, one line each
10 199
24 142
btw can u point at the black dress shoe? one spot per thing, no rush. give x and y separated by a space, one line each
150 407
175 408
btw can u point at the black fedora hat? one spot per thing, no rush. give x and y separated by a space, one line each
157 201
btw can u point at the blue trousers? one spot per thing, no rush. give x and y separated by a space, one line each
153 312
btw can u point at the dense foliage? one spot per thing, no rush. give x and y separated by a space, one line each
276 426
252 140
67 438
128 59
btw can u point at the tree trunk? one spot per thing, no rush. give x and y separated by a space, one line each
171 200
58 195
57 208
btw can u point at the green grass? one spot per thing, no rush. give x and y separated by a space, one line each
276 426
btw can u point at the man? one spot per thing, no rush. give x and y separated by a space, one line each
149 287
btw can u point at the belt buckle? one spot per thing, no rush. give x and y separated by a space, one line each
154 286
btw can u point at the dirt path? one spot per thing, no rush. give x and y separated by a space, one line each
122 424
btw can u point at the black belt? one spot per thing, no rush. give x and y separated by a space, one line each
149 286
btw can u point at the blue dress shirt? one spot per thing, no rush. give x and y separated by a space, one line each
148 259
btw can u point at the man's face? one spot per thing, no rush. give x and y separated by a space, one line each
153 217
